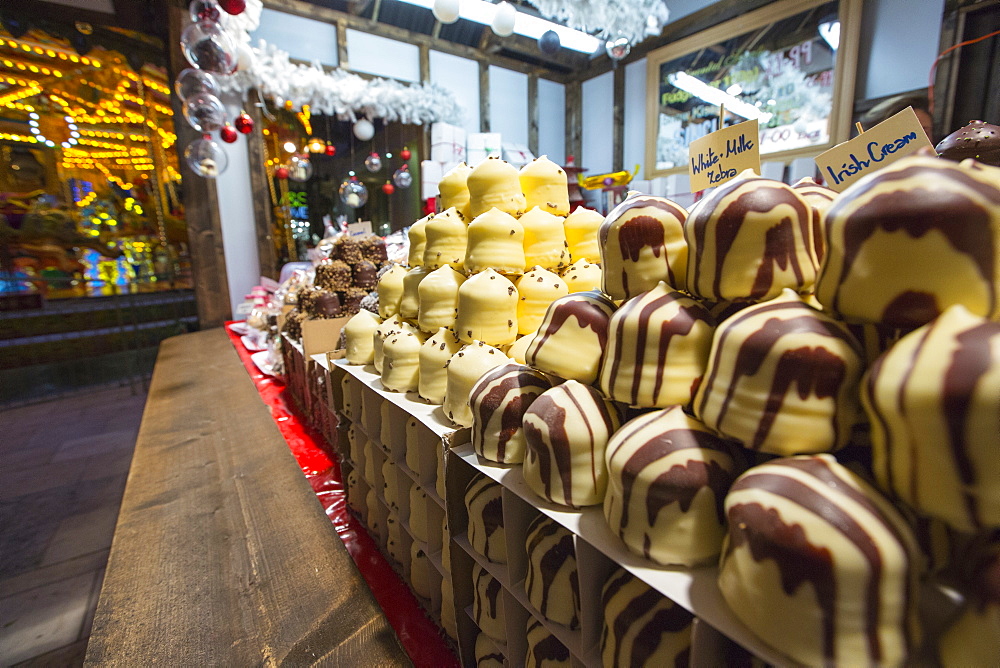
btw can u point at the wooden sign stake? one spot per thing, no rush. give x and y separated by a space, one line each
861 130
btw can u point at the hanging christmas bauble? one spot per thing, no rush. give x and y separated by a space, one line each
388 188
233 7
300 167
244 123
503 19
618 48
204 10
331 150
206 158
373 162
192 82
364 130
228 134
446 11
353 193
208 47
205 113
281 173
402 178
405 154
549 42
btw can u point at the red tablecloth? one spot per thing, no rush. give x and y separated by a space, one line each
420 637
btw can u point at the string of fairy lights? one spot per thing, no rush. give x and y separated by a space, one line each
112 133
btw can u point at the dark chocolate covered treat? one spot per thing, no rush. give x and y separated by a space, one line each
293 324
333 275
347 249
365 275
351 300
325 305
977 140
373 249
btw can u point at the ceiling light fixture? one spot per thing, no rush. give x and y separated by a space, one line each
534 27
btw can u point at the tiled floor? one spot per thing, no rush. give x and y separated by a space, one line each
63 466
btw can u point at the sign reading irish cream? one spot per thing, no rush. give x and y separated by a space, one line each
894 138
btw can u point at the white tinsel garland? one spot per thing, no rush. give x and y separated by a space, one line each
340 93
608 19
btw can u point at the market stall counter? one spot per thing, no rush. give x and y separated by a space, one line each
222 554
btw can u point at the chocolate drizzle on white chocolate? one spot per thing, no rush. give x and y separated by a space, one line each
551 582
487 604
641 626
484 503
544 649
498 401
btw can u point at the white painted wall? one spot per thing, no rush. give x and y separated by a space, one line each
239 234
598 125
382 56
552 120
304 39
898 44
635 115
460 76
509 105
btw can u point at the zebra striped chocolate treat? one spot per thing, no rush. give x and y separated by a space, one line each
401 361
358 333
438 299
487 654
912 239
434 355
974 638
544 649
782 378
454 189
820 199
485 508
657 350
536 290
641 626
544 185
750 239
577 323
496 241
499 400
819 565
551 581
487 309
493 183
667 478
447 235
566 430
641 244
465 368
932 402
487 604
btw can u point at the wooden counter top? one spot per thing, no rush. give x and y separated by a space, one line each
222 555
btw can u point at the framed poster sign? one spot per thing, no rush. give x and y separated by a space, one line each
789 65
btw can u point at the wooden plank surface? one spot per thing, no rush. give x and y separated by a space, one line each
222 555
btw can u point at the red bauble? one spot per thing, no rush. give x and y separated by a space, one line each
331 149
405 154
228 134
244 123
233 6
281 173
388 188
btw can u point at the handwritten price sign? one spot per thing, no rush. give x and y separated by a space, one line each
896 137
720 156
